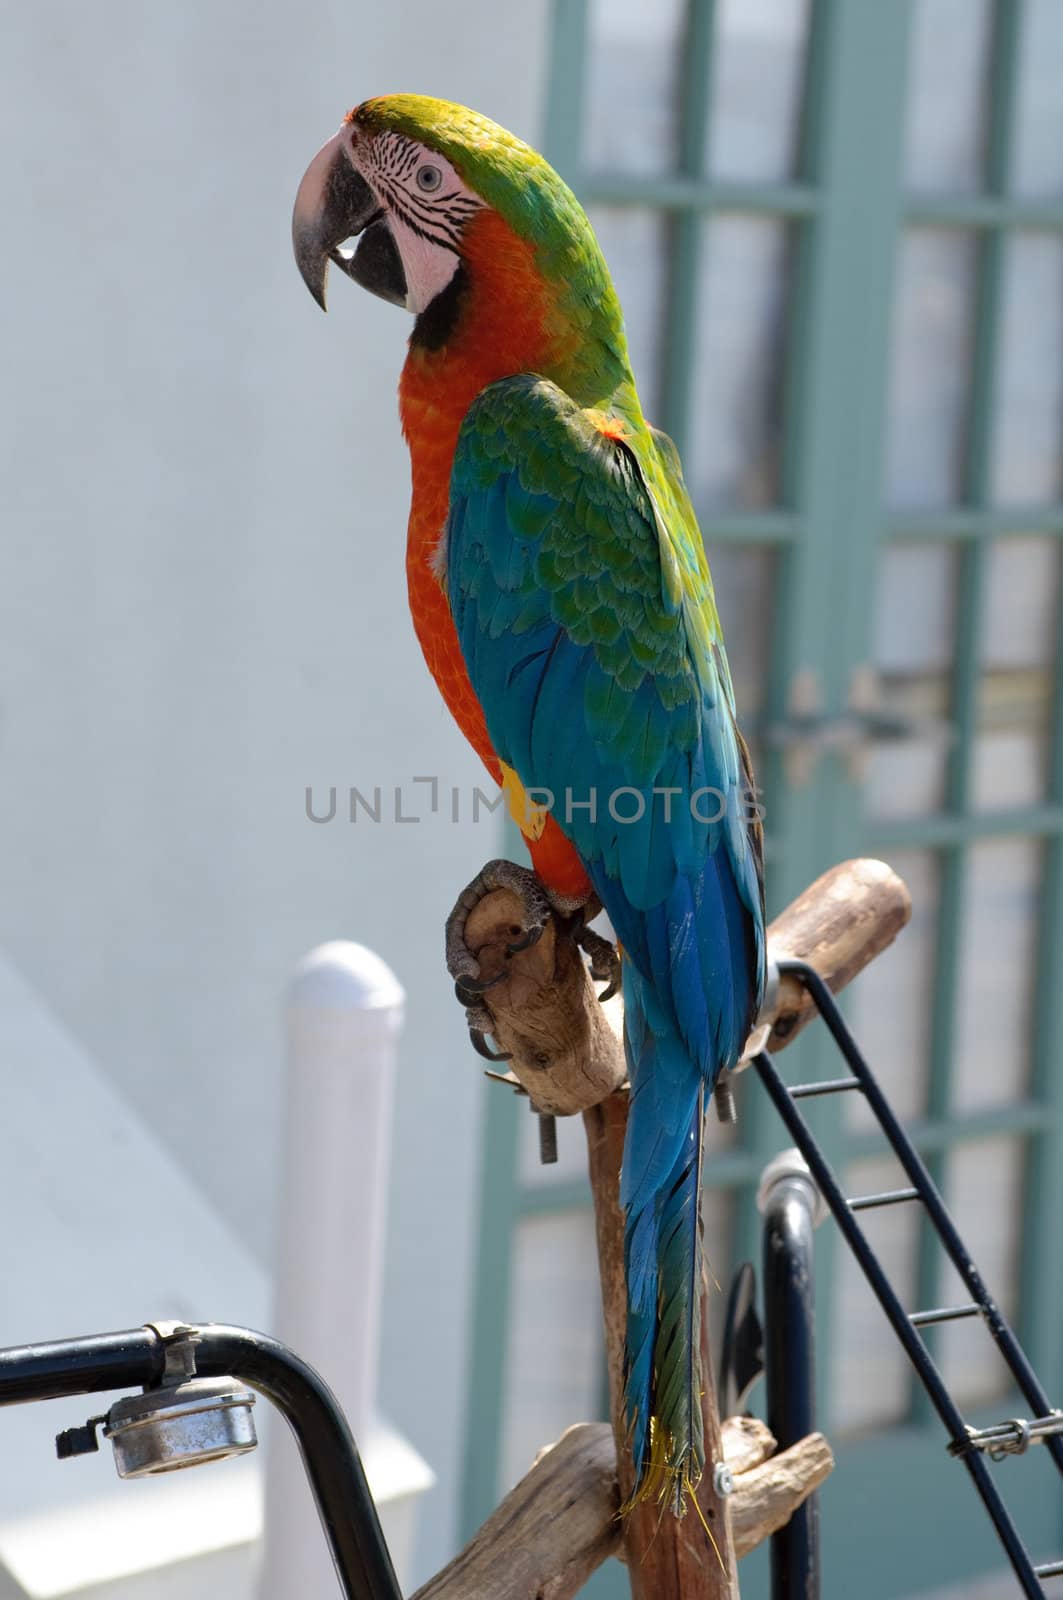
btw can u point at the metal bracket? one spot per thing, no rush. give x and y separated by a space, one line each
1011 1438
808 730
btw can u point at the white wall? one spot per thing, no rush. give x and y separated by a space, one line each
202 606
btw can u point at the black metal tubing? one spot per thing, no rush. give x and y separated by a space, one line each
789 1367
915 1349
135 1358
912 1162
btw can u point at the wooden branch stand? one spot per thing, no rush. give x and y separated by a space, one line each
561 1522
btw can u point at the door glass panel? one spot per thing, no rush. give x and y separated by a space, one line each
1039 103
915 627
1029 419
739 365
554 1355
947 95
633 90
744 578
997 948
931 367
758 75
984 1194
634 241
1015 691
892 1003
870 1373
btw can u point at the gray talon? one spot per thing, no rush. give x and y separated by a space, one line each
467 988
482 1048
604 960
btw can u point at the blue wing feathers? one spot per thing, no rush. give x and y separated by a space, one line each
595 675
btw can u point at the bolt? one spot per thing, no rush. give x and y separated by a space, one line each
723 1480
547 1134
547 1139
724 1100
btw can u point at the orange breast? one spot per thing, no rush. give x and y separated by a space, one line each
505 329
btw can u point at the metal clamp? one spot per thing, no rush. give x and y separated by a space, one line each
1011 1438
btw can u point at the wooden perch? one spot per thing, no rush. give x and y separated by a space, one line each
839 925
550 1532
566 1048
567 1054
560 1522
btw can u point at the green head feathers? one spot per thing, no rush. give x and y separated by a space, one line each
524 189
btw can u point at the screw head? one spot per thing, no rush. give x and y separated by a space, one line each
723 1480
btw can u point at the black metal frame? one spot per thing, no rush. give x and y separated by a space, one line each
135 1359
790 1369
961 1441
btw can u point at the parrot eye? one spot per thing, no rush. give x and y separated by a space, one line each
429 178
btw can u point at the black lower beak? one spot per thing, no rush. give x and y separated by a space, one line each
335 203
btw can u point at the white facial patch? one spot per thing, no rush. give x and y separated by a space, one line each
428 266
427 205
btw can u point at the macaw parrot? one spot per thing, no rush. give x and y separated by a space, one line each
561 595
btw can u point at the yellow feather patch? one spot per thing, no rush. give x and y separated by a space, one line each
668 1484
529 817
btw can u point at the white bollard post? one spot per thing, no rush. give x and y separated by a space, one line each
344 1016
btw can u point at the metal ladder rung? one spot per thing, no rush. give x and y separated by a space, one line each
888 1197
972 1451
920 1319
805 1091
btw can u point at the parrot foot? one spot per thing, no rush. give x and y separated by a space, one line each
463 966
604 959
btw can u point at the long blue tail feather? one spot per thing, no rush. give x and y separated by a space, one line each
659 1190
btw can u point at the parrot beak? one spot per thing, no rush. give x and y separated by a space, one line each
335 203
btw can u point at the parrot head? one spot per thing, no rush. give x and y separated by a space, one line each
429 205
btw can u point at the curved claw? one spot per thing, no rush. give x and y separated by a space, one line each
532 936
482 1048
469 990
607 994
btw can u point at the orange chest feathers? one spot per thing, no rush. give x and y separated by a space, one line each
504 326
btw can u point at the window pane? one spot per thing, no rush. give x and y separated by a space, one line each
634 242
633 68
870 1372
758 75
744 580
1029 420
1015 693
946 106
930 379
984 1194
553 1362
736 436
1018 628
915 619
1039 107
997 950
892 1002
913 645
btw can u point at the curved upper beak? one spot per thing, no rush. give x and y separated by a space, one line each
333 203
